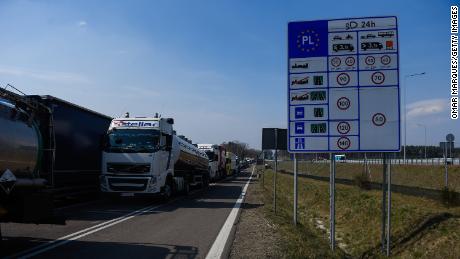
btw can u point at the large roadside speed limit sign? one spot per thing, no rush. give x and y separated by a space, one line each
343 85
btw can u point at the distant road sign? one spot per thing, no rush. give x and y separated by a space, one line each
450 137
270 140
343 85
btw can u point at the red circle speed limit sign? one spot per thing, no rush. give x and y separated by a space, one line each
369 60
379 119
378 78
343 79
385 59
343 143
343 103
343 127
335 62
350 61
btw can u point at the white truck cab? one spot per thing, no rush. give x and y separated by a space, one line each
144 156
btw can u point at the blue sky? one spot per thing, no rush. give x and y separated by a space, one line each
217 67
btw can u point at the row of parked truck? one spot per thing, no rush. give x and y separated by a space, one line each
50 148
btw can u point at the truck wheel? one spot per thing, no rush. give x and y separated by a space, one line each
168 190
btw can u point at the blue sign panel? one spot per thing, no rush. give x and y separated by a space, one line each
343 85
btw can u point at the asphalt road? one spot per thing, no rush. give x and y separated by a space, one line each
185 227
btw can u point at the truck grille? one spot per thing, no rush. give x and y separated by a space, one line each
128 168
128 184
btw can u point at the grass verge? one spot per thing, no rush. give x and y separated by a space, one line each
424 176
420 227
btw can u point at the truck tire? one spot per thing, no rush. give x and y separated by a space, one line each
168 190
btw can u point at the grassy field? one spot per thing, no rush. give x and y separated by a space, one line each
425 176
421 228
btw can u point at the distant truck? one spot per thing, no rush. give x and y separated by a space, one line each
49 149
145 156
216 156
231 164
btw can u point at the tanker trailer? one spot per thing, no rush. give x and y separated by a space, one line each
49 149
144 156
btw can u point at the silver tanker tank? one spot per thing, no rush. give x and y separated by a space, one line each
20 142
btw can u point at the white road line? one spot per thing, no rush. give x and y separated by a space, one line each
87 231
219 244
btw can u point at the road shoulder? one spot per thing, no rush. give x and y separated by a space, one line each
255 236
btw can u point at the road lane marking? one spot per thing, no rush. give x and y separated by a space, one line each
218 246
90 230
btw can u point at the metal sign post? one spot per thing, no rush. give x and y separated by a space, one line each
276 170
332 200
295 188
446 174
384 195
388 170
274 139
386 205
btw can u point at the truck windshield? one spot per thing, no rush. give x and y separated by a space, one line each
210 155
133 141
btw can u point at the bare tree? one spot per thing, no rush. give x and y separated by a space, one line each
240 149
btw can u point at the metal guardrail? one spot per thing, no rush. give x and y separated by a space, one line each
411 161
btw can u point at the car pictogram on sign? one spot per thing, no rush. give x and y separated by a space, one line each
368 36
337 37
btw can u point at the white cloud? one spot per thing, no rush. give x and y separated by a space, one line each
82 24
63 77
426 107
